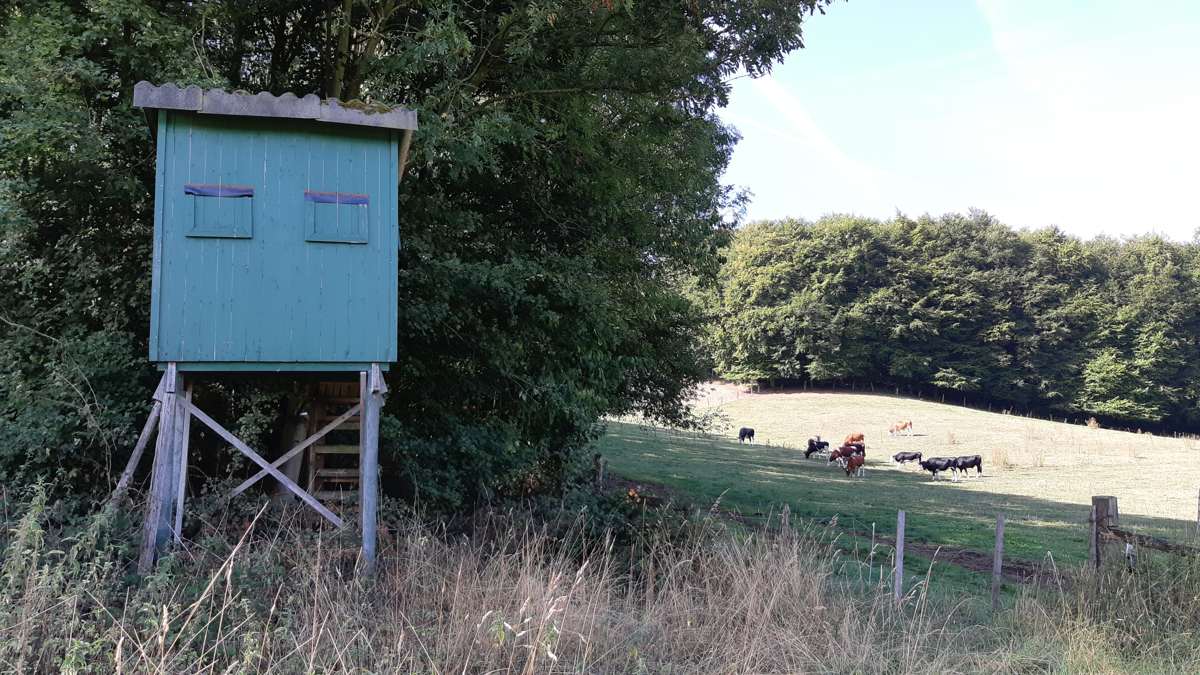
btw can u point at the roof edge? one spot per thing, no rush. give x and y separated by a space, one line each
264 104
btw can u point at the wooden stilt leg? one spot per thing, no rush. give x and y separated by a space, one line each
185 425
140 447
369 464
156 530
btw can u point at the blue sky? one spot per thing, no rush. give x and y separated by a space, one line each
1081 114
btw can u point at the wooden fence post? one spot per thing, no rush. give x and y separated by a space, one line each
898 584
1198 514
1094 539
998 561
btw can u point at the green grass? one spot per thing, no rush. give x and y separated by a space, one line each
755 480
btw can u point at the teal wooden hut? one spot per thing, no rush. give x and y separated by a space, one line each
276 234
275 231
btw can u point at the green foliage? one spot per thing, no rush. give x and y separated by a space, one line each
965 304
565 175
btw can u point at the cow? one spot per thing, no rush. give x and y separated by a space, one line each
846 452
898 427
816 445
854 465
745 435
967 461
856 437
903 457
935 464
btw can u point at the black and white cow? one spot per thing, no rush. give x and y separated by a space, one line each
904 457
816 446
935 464
745 435
967 461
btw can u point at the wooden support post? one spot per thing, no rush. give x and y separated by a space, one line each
1094 539
1198 514
898 584
140 447
156 530
185 427
998 562
369 464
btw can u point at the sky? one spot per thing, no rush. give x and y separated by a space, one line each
1083 114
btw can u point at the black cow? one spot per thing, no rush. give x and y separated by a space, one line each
745 435
967 461
816 445
902 457
936 464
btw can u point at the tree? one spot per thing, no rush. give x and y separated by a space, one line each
565 176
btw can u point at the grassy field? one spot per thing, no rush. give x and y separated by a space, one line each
1040 474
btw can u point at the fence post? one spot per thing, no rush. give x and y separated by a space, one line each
898 590
1104 514
998 561
1198 514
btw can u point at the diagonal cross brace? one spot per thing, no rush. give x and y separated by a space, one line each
257 459
298 449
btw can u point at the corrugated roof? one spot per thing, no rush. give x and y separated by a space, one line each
264 104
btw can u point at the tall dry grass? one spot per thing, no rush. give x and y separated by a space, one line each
515 597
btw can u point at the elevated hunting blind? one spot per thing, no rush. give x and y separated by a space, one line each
276 232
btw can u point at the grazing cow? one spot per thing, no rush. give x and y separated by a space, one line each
816 445
856 437
902 457
936 464
745 435
846 452
967 461
898 427
854 464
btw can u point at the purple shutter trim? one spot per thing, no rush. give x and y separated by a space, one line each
336 197
214 190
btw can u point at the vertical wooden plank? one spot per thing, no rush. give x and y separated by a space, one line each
161 175
1094 538
369 465
998 561
156 529
898 583
1198 514
185 427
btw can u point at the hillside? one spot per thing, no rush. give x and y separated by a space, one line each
1041 474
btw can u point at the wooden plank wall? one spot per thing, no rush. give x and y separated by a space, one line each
274 298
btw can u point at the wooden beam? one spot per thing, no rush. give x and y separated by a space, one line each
1118 534
156 529
368 484
321 433
140 447
271 470
185 427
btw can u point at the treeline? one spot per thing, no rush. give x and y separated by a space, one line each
567 168
962 303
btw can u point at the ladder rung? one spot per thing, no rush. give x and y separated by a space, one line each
338 473
335 449
335 495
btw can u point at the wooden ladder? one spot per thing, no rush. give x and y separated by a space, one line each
333 461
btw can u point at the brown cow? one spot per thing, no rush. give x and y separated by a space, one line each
856 437
854 464
898 427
